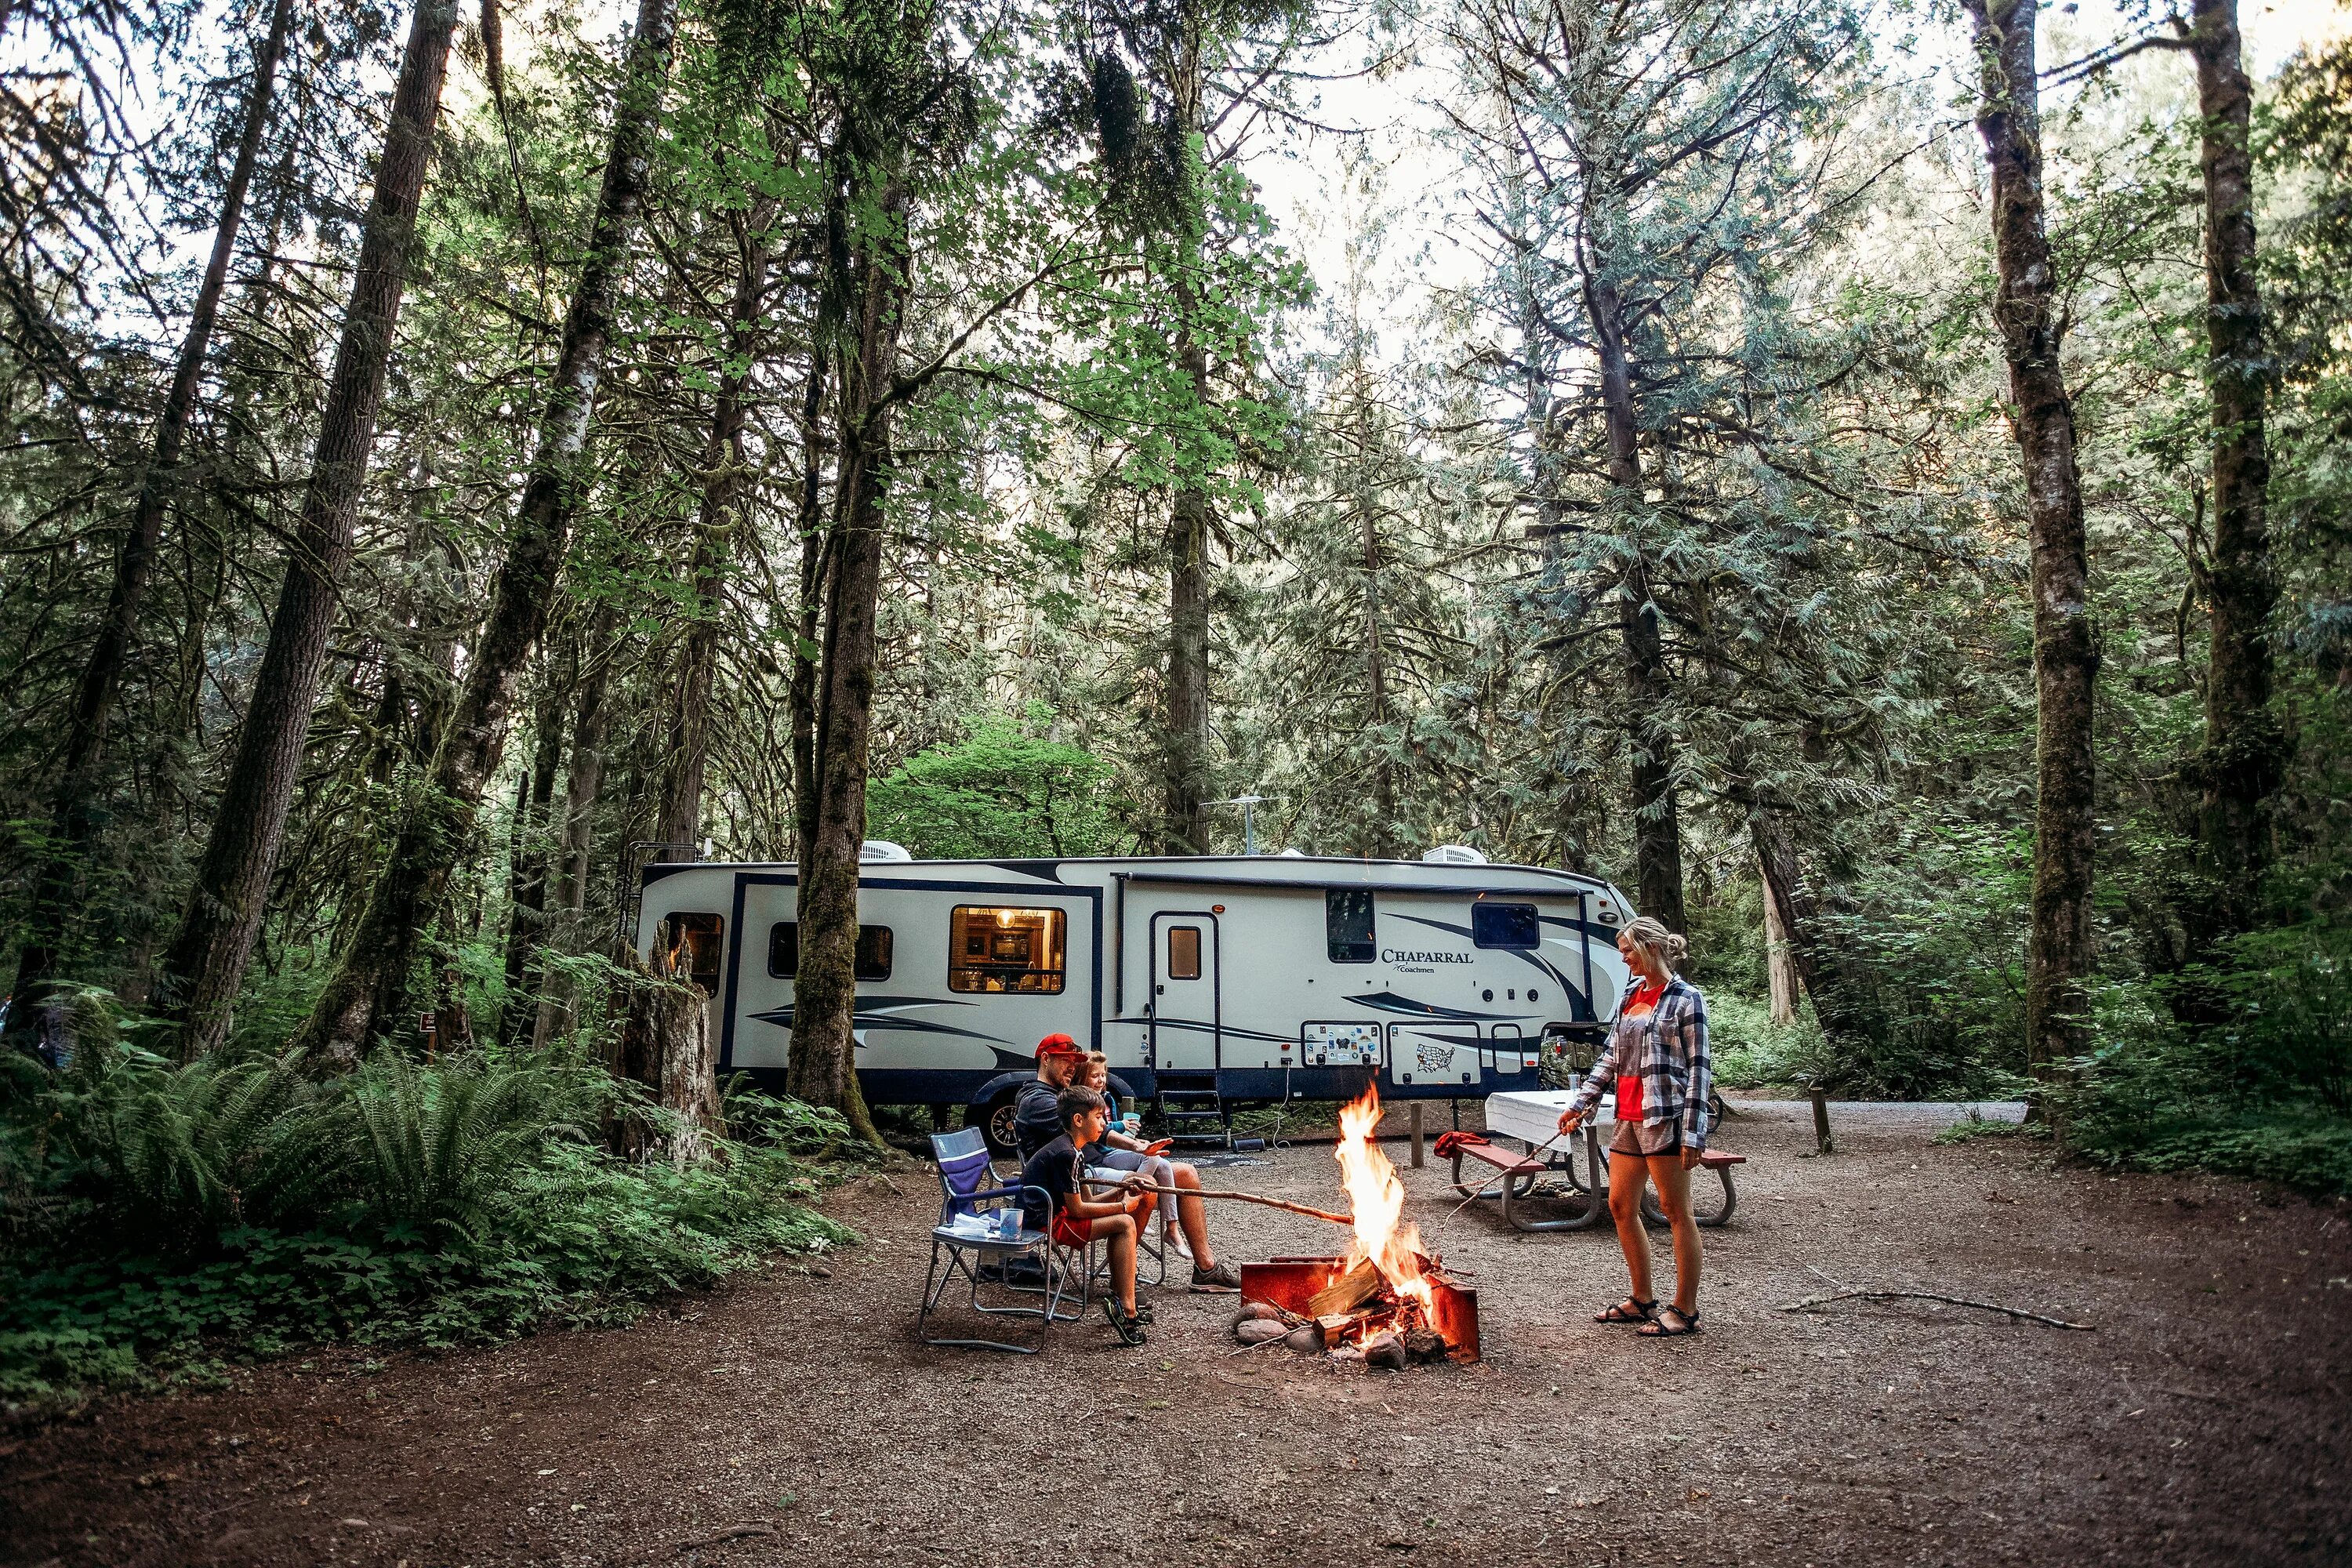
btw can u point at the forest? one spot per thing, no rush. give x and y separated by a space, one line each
1872 479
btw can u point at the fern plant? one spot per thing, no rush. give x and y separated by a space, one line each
440 1146
173 1154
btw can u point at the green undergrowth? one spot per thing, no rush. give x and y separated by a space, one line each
1749 1050
2309 1152
2260 1086
1974 1127
165 1221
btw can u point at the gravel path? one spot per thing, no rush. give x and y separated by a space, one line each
793 1419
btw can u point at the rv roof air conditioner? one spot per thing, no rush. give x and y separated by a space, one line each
882 849
1454 855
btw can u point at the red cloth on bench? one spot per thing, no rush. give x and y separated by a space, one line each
1447 1143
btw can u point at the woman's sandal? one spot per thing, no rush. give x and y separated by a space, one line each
1631 1310
1658 1330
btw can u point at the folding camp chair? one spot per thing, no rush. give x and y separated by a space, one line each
978 1219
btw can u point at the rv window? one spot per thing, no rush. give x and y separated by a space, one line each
692 940
1347 925
1505 925
874 946
994 949
1183 952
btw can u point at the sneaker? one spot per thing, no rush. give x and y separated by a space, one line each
1129 1329
1183 1247
1217 1279
1144 1310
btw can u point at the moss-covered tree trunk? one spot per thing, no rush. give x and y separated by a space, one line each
2065 658
873 284
1657 823
583 781
2246 746
726 487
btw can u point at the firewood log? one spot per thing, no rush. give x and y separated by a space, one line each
1347 1292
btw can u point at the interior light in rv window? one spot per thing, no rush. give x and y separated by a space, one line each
1001 950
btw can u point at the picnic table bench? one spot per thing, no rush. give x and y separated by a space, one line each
1549 1176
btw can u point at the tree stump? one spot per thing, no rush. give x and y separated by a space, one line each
665 1045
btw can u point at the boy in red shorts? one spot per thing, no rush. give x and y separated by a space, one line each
1051 1179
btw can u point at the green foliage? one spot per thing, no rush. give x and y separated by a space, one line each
1750 1051
438 1147
793 1127
2260 1092
1975 1127
998 792
1936 931
165 1216
175 1154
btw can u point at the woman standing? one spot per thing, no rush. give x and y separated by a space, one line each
1658 1063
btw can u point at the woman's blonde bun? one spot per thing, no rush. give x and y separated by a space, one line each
1651 935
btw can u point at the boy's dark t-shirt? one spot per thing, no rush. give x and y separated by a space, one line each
1055 1170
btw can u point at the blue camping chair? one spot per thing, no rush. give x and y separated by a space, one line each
971 1190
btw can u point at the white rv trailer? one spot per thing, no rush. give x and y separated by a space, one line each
1210 982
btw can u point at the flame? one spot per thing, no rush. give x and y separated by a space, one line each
1376 1202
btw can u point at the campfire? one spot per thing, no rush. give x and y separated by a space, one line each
1386 1301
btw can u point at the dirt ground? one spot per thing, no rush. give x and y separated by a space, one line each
793 1419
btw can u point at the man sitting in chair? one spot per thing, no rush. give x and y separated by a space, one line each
1036 1121
1052 1193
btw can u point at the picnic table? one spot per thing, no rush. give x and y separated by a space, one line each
1547 1169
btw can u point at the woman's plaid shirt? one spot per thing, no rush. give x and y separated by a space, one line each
1668 1050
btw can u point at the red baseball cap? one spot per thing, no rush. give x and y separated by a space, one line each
1058 1045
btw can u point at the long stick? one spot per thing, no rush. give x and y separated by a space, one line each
1246 1198
1812 1302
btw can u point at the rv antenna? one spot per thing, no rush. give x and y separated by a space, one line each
1249 818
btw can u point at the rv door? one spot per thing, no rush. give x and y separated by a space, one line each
1186 1004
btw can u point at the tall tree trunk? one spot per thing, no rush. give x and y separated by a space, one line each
1383 839
208 958
420 659
2246 746
78 787
363 996
726 484
1186 828
816 543
2065 659
559 998
824 1068
527 853
1657 825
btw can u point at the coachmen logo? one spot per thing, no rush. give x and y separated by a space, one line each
1398 956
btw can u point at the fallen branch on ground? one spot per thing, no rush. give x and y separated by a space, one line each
1812 1302
732 1532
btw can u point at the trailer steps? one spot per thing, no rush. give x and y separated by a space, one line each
1193 1112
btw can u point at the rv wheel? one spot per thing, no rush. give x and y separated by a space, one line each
995 1121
